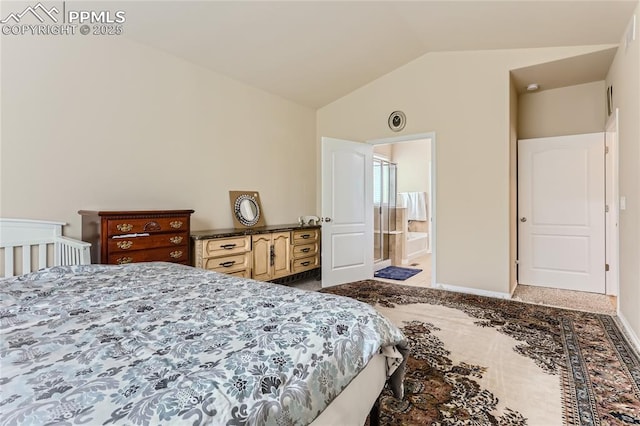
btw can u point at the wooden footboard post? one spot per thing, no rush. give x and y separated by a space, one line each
374 414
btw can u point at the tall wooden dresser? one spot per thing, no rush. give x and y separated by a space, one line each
119 237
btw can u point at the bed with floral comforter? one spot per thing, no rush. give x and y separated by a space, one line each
160 343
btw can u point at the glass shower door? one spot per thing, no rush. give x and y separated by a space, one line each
384 203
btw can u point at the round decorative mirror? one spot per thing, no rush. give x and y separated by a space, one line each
246 209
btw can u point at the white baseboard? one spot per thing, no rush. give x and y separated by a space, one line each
474 291
633 337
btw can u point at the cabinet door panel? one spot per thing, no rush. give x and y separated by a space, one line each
261 257
281 243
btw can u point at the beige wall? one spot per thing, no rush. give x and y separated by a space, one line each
384 150
464 98
100 123
568 110
624 76
414 162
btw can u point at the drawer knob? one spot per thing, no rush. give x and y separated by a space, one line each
175 224
124 245
124 227
123 260
305 236
228 246
307 263
228 264
176 254
306 250
176 239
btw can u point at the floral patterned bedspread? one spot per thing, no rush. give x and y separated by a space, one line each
160 343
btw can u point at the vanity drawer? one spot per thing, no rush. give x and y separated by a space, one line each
241 274
147 225
151 241
229 264
179 254
226 246
305 250
304 236
306 263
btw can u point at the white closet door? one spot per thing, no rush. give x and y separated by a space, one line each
561 208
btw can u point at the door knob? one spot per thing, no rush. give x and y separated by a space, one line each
326 219
523 219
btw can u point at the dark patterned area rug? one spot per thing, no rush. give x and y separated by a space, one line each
483 361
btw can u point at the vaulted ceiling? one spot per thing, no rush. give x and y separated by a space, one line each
314 52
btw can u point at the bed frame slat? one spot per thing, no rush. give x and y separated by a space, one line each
26 259
8 261
42 256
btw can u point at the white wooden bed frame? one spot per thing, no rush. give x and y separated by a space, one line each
20 235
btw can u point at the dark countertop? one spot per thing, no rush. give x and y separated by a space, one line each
233 232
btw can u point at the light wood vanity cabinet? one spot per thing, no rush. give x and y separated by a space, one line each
270 253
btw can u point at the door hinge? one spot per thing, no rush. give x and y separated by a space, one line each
606 149
606 208
606 267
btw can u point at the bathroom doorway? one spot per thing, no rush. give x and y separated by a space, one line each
404 231
384 209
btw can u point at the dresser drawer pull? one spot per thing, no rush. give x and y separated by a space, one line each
123 260
176 254
228 246
306 250
152 226
307 263
305 236
124 245
124 227
176 224
228 264
176 240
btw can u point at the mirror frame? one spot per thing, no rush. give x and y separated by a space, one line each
235 198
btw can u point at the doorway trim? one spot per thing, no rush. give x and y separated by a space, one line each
612 220
434 198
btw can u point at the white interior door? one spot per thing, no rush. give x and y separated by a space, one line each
347 200
561 208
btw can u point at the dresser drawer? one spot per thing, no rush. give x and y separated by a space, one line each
147 225
240 274
305 250
229 264
178 254
305 264
305 236
151 241
226 246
